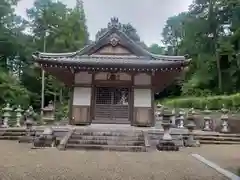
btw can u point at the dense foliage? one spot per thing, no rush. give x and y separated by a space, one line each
209 32
212 102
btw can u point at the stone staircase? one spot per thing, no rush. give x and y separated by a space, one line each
208 138
125 140
13 133
111 140
218 138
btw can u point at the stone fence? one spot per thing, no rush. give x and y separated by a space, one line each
218 121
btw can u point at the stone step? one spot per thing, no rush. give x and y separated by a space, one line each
218 142
106 147
107 133
217 135
12 130
10 137
94 137
13 134
107 142
218 138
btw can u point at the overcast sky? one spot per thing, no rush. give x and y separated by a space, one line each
147 16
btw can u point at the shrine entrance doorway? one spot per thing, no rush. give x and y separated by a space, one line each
112 105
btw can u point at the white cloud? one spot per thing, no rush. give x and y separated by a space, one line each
147 16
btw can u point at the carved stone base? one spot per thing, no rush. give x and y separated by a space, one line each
165 145
44 141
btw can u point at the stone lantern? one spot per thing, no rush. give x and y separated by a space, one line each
224 119
173 118
29 117
6 115
181 119
48 113
18 116
166 143
191 142
207 119
29 114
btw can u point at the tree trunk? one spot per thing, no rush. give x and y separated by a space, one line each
219 72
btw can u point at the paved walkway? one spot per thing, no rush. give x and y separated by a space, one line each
19 162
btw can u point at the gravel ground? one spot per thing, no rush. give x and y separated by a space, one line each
226 156
19 162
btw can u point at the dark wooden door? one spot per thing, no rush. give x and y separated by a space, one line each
112 105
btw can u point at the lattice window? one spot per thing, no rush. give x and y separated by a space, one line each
112 103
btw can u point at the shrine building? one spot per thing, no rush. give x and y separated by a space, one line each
113 80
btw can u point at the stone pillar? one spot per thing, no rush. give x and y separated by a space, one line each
166 143
207 119
143 110
6 115
191 142
18 116
224 119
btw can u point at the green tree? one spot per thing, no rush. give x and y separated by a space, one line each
156 49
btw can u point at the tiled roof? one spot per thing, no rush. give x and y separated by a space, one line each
96 60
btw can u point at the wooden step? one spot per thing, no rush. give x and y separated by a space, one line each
103 121
106 147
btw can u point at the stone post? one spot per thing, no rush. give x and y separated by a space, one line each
207 119
181 119
224 119
6 115
191 142
18 116
166 143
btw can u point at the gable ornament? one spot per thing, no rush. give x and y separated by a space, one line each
114 23
114 41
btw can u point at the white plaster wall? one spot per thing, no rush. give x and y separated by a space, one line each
142 79
83 78
101 76
142 98
82 96
125 77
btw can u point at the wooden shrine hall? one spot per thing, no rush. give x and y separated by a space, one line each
113 80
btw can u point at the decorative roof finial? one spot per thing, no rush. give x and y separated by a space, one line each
114 23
